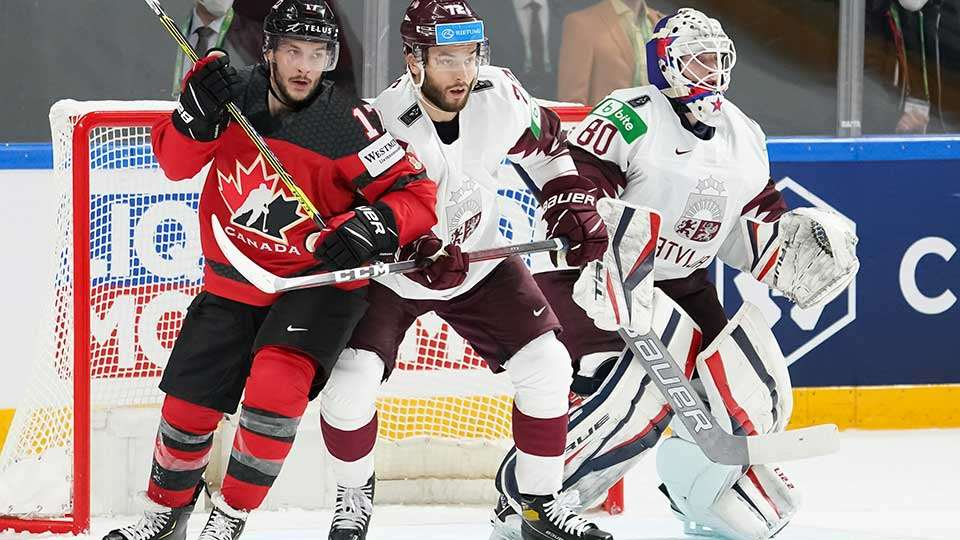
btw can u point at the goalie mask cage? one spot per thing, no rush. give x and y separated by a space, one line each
126 265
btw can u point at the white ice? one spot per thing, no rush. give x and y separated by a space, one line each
888 485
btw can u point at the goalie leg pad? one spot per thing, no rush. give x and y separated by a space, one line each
348 415
611 429
746 382
636 412
745 377
720 501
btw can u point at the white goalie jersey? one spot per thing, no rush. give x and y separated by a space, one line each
634 146
500 121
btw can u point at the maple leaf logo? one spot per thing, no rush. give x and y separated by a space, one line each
256 200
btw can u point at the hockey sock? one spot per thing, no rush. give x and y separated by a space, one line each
540 443
352 452
275 399
182 451
541 373
348 419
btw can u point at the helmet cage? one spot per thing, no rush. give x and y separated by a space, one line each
686 53
690 59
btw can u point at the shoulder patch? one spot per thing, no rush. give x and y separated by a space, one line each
482 85
381 154
639 101
411 115
628 123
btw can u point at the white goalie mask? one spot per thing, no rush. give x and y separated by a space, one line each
689 58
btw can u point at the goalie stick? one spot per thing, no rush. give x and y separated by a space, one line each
634 264
718 445
234 111
271 283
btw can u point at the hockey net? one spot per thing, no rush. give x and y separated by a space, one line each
125 268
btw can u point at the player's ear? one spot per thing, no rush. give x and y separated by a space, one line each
412 64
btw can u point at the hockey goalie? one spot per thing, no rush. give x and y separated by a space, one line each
680 148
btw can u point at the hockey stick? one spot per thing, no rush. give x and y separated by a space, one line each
234 111
718 445
633 234
271 283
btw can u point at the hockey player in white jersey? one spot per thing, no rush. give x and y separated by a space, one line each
680 148
463 118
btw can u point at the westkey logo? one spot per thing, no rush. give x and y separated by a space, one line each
257 202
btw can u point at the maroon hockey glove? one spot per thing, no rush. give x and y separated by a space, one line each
445 271
207 88
570 211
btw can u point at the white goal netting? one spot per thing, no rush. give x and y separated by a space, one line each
134 237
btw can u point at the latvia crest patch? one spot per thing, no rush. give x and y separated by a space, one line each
703 215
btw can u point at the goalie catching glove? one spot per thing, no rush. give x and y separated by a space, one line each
440 268
355 238
617 291
812 258
207 88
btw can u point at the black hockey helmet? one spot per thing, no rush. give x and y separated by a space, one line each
307 20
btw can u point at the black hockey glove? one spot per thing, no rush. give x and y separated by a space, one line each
356 238
207 88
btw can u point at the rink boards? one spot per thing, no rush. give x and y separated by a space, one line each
881 355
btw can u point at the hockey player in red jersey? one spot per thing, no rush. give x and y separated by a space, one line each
463 118
276 351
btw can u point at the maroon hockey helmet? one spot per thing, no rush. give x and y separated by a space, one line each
430 23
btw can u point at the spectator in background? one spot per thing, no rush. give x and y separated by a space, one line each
237 27
215 23
525 37
903 50
349 69
604 48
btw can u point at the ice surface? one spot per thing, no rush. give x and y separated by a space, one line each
887 485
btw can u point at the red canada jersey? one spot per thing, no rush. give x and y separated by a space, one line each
337 152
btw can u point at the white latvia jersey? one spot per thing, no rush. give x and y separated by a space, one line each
700 187
497 115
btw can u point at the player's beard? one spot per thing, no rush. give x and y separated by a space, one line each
282 91
436 96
